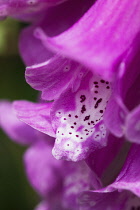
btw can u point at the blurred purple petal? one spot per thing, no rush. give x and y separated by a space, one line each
42 167
14 128
27 43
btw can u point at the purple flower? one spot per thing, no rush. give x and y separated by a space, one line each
87 69
77 116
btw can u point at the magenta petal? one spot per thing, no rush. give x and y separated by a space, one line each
39 54
35 115
43 170
101 38
129 177
115 116
132 129
53 76
125 96
99 160
15 129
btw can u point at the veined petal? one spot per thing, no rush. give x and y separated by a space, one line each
35 115
53 76
14 128
56 19
77 117
101 39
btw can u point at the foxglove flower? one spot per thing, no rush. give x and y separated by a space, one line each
87 85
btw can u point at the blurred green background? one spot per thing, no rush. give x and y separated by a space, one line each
15 191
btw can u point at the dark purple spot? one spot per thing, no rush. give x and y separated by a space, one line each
95 82
96 91
92 121
76 116
74 123
70 133
57 131
64 118
87 118
77 135
107 83
72 126
68 145
97 103
81 138
95 98
83 109
83 98
62 134
69 115
96 86
86 133
102 81
101 111
107 87
88 123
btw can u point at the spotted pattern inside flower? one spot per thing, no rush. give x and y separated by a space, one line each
84 121
79 124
